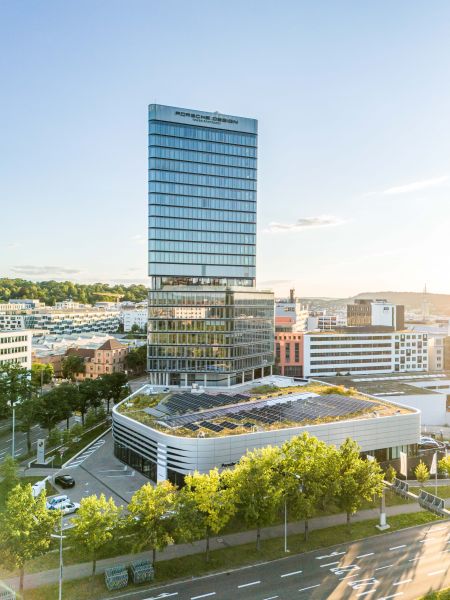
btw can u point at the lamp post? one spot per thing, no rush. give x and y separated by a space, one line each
60 536
13 430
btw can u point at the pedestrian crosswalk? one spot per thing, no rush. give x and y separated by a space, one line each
86 454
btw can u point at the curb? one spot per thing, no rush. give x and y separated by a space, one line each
84 449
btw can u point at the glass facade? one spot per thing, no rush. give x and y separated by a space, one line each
202 234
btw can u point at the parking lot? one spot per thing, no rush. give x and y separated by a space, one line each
97 471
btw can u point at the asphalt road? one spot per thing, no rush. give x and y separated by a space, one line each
404 565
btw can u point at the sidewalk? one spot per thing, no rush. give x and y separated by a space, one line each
82 570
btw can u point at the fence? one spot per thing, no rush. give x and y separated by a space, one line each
431 502
400 487
141 571
116 577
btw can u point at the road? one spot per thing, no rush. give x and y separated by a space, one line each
404 565
21 438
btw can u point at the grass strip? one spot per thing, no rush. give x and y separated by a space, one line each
234 556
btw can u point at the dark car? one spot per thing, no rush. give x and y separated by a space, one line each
65 481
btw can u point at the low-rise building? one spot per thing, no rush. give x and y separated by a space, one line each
15 347
132 317
364 350
289 353
186 431
59 321
10 321
104 360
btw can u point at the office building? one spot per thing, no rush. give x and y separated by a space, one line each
364 350
15 348
375 313
207 324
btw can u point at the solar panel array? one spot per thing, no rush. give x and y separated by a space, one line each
260 413
187 402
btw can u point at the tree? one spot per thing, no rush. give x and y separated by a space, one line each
422 473
67 397
358 479
28 416
305 462
51 409
258 493
9 470
25 528
205 505
444 465
390 474
73 365
96 524
114 386
89 396
136 359
41 374
150 519
15 385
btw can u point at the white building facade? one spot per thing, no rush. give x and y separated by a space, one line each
15 347
132 317
335 353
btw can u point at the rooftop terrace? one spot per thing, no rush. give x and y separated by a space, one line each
265 408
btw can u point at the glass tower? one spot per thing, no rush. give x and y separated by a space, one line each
207 322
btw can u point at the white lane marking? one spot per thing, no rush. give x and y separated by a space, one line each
329 555
391 596
248 584
385 567
329 564
34 426
364 555
365 593
203 596
307 588
436 572
271 598
159 597
289 574
403 581
398 547
414 559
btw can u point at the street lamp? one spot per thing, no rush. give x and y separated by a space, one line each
60 536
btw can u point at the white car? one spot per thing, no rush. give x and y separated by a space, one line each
57 500
66 507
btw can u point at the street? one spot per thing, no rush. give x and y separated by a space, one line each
21 438
404 565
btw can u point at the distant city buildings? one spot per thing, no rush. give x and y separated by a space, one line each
365 313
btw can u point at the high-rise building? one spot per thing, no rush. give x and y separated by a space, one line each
207 322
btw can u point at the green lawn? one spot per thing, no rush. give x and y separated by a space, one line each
442 595
443 491
227 558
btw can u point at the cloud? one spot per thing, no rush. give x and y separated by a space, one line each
13 245
417 185
35 271
139 239
305 223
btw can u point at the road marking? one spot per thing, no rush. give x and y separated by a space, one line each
203 596
329 564
248 584
403 581
391 596
289 574
329 555
307 588
436 572
385 567
159 597
414 559
365 593
364 555
271 598
398 547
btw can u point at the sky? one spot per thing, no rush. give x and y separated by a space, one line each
353 103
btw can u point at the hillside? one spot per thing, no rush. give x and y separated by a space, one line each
439 304
57 291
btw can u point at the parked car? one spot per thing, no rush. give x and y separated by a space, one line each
428 443
56 500
66 507
65 481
